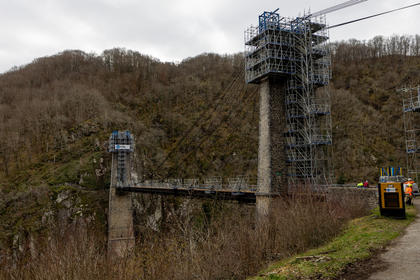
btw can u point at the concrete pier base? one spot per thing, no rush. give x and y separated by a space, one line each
272 170
120 224
120 216
263 206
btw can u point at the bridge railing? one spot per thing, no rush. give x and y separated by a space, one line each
234 184
240 184
191 183
213 183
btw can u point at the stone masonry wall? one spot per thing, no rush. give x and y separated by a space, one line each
370 195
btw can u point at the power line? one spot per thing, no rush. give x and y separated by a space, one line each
372 16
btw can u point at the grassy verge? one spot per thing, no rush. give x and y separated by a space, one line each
359 241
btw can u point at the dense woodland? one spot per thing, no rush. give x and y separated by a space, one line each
193 119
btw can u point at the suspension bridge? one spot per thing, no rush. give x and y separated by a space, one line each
289 60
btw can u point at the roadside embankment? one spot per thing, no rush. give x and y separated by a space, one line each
359 241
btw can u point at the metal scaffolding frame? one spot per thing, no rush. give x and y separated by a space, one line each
121 143
295 50
411 115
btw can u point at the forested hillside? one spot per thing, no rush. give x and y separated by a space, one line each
368 127
192 119
54 103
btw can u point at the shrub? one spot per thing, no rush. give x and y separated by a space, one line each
230 245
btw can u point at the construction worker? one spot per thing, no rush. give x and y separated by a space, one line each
406 183
360 185
409 194
366 184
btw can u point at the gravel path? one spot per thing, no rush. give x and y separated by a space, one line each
402 258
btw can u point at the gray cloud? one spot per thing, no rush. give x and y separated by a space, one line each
168 30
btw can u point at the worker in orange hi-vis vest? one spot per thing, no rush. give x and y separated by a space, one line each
409 181
409 194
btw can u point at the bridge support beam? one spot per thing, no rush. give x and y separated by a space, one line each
272 170
120 214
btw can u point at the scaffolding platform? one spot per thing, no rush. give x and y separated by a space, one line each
295 51
411 114
121 144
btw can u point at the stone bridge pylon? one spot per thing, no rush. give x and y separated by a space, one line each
120 215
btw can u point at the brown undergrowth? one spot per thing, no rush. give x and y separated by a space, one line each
216 245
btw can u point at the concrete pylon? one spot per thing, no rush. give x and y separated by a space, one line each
272 168
120 214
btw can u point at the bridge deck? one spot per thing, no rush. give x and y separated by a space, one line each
246 194
202 192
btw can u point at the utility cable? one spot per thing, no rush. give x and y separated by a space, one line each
372 16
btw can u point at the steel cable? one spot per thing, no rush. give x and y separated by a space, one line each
372 16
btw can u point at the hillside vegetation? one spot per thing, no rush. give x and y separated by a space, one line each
220 241
56 102
348 256
192 119
196 118
368 126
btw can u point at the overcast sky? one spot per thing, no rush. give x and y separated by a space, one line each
169 30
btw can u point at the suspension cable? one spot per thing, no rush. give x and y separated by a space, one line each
208 130
200 119
372 16
244 99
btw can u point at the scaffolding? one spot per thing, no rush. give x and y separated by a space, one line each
295 51
121 144
411 113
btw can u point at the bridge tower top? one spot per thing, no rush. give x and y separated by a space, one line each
121 141
121 144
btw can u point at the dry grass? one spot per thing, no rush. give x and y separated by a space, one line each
228 246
